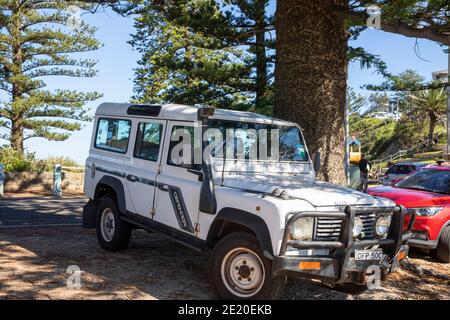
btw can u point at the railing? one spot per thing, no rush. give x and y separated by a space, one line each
391 157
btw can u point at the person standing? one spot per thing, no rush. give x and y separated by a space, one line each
364 168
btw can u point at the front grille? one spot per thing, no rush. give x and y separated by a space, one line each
368 230
329 229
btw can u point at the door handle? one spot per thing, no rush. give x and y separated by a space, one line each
131 178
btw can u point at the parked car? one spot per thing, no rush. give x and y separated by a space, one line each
399 171
427 192
263 219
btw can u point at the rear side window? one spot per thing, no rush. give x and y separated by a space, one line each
148 141
113 135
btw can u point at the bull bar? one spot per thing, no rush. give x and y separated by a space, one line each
339 266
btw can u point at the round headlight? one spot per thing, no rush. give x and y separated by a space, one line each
357 227
382 225
302 229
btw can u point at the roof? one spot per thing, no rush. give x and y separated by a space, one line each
410 163
188 113
444 166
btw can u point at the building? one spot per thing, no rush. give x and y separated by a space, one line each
440 75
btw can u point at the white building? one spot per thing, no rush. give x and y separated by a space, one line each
440 75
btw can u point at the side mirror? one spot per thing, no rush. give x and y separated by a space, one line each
317 162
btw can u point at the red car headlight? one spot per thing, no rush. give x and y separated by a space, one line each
427 211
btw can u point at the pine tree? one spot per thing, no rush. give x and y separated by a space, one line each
205 51
38 40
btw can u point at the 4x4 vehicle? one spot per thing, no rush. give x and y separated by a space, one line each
264 218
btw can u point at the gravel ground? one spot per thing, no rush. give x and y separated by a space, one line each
34 263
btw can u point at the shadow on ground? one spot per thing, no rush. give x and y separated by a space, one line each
34 262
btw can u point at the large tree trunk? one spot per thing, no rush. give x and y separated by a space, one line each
17 128
17 136
261 58
311 77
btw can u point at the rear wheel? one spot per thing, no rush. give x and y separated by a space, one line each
239 270
113 233
443 247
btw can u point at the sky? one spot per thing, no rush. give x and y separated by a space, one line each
117 61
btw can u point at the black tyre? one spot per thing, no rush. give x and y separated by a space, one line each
239 270
113 233
443 247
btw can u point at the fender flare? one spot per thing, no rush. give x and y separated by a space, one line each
243 218
117 186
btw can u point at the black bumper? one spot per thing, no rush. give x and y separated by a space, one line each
340 266
423 244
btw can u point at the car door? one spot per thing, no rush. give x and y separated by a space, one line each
177 194
144 168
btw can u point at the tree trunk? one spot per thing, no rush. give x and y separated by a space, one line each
261 58
17 129
432 126
17 136
311 77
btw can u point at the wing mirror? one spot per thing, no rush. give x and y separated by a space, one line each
317 162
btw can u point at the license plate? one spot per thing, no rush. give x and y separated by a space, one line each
364 255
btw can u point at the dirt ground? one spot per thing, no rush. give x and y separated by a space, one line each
34 264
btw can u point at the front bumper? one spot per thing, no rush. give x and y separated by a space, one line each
340 266
423 244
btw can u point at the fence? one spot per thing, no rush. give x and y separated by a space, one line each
62 179
392 157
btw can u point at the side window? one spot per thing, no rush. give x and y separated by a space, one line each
148 141
176 155
113 135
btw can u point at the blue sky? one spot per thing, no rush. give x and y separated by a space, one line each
117 60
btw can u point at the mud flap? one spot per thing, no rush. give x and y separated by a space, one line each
90 215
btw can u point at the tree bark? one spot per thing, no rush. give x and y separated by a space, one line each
261 58
311 77
17 136
17 129
432 125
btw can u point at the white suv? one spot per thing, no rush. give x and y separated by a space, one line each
263 218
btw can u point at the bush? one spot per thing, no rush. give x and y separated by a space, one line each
15 161
49 163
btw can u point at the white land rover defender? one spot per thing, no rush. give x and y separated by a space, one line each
264 219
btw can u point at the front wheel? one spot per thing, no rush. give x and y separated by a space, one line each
239 270
443 247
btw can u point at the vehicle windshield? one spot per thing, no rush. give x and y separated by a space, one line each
427 180
255 141
401 169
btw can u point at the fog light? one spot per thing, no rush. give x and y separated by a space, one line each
382 226
420 235
357 226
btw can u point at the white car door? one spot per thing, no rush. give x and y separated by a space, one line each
178 190
144 168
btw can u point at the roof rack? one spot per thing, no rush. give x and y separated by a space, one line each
149 110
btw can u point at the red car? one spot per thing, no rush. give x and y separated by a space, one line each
427 191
